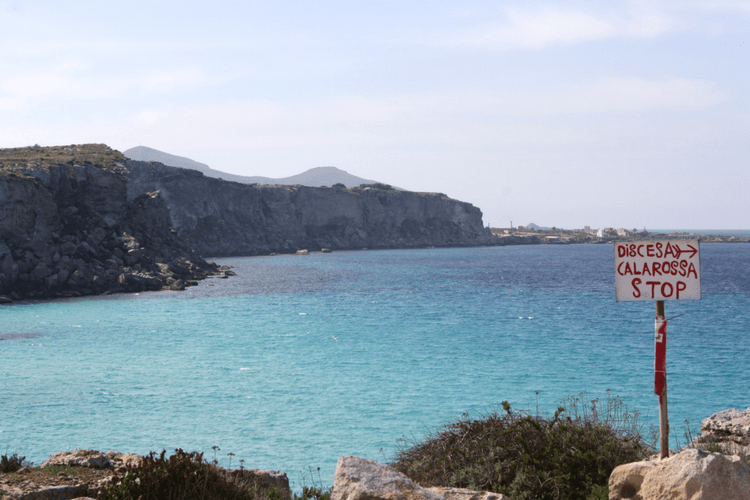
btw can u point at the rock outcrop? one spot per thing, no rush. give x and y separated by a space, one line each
93 459
221 218
727 431
361 479
68 228
689 475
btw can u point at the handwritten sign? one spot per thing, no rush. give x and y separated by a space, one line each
658 270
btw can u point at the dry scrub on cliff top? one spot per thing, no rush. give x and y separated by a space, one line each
45 157
187 476
568 456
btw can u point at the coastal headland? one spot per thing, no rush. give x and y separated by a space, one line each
83 219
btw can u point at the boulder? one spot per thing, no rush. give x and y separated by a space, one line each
689 475
80 458
121 460
46 492
727 430
361 479
464 494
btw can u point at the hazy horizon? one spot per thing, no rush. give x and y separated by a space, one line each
566 113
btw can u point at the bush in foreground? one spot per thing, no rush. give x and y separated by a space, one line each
524 456
183 476
11 463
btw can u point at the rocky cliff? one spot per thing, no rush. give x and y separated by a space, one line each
67 227
79 220
220 218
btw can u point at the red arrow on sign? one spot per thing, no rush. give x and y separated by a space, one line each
692 251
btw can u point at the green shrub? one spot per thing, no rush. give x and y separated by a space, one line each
183 476
315 490
11 463
314 493
568 456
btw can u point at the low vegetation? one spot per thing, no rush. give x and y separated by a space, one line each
569 455
182 476
44 157
187 476
11 463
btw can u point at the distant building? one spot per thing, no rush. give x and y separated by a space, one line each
600 233
622 232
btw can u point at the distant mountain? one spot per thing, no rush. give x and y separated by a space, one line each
315 177
528 226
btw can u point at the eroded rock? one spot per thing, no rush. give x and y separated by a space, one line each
689 475
361 479
465 494
728 430
79 458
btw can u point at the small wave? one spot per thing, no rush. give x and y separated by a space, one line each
244 369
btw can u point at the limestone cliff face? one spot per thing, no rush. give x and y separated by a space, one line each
80 220
67 227
219 218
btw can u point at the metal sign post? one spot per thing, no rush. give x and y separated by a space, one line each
658 270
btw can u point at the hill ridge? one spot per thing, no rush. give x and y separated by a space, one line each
313 177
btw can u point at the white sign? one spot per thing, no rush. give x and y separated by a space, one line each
658 270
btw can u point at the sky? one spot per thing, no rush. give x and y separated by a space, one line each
631 114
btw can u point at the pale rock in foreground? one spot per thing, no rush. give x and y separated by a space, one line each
464 494
93 459
361 479
689 475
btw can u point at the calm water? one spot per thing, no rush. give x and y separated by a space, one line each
301 360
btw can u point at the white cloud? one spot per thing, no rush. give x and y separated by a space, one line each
550 25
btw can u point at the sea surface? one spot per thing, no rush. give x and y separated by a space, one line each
300 360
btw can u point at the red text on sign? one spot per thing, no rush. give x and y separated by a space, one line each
665 268
666 288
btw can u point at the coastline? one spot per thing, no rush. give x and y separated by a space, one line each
555 236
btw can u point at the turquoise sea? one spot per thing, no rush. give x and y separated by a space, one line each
298 360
